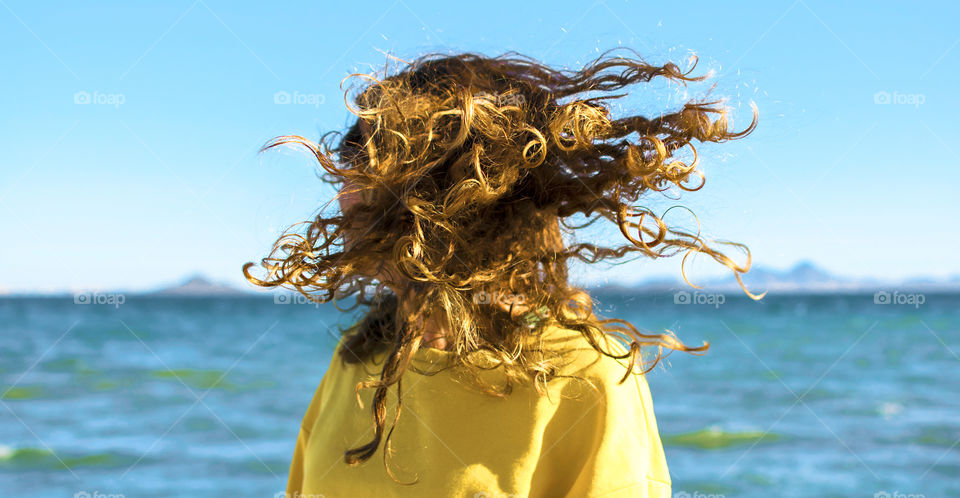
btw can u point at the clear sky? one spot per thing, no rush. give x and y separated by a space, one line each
157 176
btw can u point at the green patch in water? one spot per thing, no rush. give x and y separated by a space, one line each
198 379
20 392
41 458
210 379
713 438
96 460
106 385
935 436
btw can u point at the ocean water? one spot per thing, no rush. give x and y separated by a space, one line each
813 395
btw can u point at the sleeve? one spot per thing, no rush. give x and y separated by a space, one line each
297 463
295 479
603 442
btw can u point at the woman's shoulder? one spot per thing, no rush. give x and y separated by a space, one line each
566 351
601 359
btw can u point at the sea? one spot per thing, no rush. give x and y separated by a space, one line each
822 395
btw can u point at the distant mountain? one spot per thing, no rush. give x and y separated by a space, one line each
198 286
802 277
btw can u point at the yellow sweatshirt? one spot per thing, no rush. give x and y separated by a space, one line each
458 441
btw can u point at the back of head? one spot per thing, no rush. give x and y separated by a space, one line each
469 169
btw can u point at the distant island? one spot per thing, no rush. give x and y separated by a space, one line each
198 286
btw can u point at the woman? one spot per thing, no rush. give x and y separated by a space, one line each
477 369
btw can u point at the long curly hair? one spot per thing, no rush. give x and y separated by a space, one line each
470 170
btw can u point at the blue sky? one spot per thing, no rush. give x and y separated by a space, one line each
157 177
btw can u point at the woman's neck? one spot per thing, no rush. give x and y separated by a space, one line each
435 334
432 325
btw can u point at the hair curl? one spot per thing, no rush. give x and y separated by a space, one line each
470 169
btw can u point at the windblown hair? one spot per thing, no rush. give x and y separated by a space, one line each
471 168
